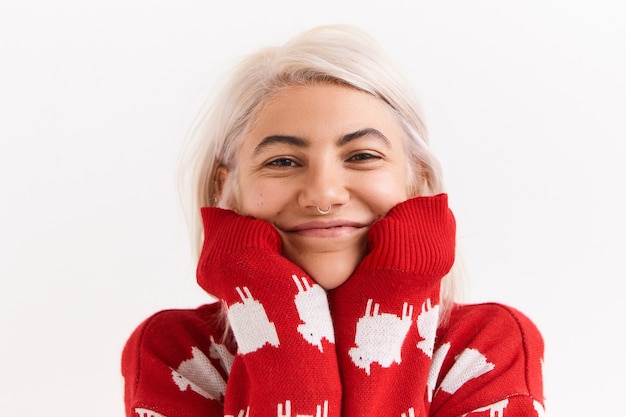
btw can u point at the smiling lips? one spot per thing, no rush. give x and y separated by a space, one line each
327 229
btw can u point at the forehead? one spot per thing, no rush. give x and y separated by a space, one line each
326 110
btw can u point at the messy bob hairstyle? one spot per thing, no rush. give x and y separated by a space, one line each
334 54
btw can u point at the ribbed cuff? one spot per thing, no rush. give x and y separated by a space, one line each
227 231
418 236
237 251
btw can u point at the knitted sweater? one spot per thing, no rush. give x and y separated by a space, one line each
372 347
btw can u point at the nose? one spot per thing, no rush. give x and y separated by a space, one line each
325 185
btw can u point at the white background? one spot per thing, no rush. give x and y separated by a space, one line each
526 105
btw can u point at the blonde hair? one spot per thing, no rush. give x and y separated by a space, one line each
337 54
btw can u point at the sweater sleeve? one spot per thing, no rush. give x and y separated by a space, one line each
418 237
279 317
488 360
386 314
174 365
520 405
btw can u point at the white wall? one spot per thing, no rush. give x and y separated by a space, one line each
526 103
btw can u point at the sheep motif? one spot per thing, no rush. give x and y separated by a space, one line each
250 319
411 413
313 310
242 413
495 410
435 368
144 412
221 352
539 408
379 337
318 410
199 374
468 365
427 323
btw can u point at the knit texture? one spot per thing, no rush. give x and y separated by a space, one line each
393 298
487 363
280 318
371 347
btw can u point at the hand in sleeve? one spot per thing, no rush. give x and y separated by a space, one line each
278 315
383 314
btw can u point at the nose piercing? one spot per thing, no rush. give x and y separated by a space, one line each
322 212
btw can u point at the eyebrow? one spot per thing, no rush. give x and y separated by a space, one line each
375 133
303 143
289 140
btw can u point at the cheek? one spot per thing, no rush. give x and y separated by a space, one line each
385 192
259 200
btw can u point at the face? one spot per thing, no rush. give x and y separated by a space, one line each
321 147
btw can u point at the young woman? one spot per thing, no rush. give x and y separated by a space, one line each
326 235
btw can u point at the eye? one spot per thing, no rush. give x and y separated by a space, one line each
363 156
282 163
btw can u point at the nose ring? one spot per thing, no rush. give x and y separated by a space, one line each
322 212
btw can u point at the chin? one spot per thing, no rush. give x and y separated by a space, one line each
330 274
329 284
330 268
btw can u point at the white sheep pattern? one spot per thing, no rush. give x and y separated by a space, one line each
199 374
495 410
380 336
242 413
144 412
221 352
250 319
287 410
312 306
427 323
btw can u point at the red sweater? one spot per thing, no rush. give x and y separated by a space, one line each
373 347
